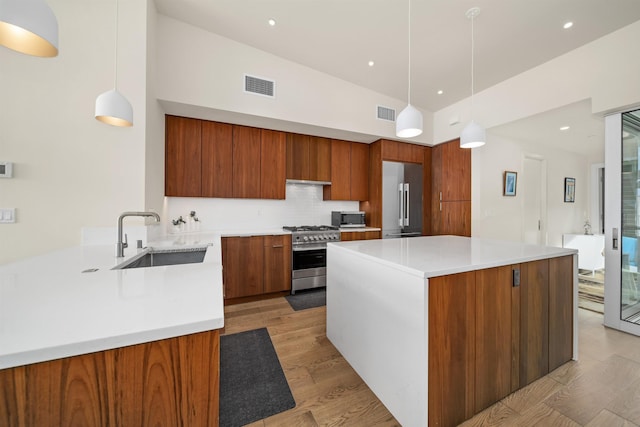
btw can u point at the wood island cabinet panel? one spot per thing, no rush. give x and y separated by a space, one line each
243 266
217 154
493 336
168 382
359 171
273 164
277 263
183 170
319 159
560 311
246 160
452 314
534 321
340 188
297 156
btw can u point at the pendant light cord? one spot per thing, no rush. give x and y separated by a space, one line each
472 63
115 78
409 70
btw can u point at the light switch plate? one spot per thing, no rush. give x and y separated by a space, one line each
7 215
6 170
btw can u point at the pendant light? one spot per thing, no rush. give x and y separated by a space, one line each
111 107
409 121
29 27
473 135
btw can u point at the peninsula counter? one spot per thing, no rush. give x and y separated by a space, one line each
442 327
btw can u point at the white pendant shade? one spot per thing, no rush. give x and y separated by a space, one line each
472 136
113 109
29 27
409 122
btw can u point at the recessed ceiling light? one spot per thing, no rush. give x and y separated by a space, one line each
564 128
440 92
272 22
567 25
371 63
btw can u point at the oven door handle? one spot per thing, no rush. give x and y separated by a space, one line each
308 248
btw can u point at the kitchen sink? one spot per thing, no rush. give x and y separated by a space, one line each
158 257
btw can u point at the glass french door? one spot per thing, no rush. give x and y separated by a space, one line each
622 222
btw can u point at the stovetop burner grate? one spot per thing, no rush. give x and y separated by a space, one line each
311 228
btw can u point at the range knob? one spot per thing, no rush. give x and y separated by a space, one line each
305 238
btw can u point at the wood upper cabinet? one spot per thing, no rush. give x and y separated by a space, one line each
273 164
308 158
396 151
359 171
349 171
183 169
319 159
450 189
297 156
246 158
217 152
243 266
277 263
340 188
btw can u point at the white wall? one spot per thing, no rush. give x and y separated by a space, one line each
500 217
199 68
71 170
303 206
602 70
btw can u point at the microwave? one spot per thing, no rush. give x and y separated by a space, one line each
347 219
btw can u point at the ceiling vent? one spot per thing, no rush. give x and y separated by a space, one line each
259 86
386 113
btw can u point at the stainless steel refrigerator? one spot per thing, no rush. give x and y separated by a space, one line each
401 199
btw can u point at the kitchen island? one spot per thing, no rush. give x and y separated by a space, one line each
442 327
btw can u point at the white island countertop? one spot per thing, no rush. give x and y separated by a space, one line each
432 256
50 308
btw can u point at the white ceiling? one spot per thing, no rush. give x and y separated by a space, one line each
339 37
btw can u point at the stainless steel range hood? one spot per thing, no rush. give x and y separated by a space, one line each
307 182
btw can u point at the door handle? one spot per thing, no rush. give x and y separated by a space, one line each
615 238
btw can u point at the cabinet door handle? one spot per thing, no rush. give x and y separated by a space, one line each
277 246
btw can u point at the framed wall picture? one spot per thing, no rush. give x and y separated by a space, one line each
569 190
510 183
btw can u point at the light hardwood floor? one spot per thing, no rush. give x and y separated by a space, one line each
601 389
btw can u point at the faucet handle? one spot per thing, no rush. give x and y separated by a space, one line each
125 244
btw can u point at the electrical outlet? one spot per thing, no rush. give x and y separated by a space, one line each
7 215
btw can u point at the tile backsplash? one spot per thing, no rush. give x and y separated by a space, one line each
303 206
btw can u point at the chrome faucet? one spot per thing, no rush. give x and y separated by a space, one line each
121 245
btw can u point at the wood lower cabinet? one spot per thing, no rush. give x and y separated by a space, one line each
277 263
488 338
168 382
242 266
348 236
256 265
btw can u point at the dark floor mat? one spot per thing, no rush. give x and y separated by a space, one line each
310 298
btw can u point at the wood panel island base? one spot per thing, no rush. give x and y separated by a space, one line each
442 327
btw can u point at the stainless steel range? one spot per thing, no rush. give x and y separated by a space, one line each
309 255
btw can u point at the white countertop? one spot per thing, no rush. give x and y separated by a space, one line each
50 309
348 229
433 256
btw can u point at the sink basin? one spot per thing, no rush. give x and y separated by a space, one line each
158 257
